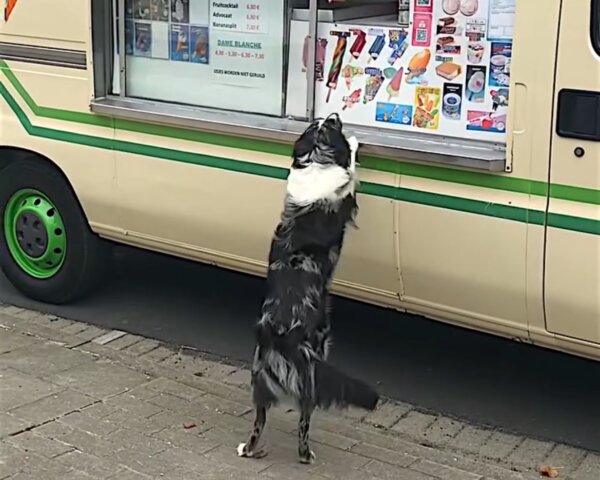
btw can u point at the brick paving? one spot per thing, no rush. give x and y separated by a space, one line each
80 402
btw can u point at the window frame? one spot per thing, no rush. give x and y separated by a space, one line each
420 147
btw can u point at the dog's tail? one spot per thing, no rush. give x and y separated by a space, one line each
334 387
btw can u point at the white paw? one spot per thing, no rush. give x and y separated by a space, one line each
240 450
312 457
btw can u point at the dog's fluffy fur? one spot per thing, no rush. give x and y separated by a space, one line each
293 333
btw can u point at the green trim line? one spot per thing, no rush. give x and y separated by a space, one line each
431 172
466 205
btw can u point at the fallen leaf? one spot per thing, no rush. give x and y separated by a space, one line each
548 471
189 424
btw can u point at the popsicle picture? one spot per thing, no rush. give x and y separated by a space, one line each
349 72
398 43
352 99
378 43
393 88
373 84
359 42
336 63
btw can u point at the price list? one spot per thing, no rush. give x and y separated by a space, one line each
240 16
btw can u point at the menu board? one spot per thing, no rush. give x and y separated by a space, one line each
445 74
216 53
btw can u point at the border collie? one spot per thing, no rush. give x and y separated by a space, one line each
293 333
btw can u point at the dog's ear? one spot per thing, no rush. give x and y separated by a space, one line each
304 146
334 121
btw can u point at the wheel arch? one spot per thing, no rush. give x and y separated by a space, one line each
10 155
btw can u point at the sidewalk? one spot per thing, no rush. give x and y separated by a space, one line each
79 402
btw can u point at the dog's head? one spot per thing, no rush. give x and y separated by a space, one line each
324 143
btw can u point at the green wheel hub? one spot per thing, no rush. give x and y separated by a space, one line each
35 234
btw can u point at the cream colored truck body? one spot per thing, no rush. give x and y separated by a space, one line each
515 254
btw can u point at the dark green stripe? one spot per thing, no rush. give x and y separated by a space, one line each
432 172
401 194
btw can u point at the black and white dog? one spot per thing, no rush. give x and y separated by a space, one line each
293 333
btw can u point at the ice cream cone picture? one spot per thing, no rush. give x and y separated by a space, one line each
349 72
393 88
336 62
417 67
10 5
352 99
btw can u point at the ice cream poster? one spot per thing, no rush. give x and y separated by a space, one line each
180 43
394 113
481 121
143 39
452 101
475 86
199 44
427 101
501 53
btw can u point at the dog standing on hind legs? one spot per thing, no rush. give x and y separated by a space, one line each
293 333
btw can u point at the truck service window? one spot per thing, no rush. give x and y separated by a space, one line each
430 78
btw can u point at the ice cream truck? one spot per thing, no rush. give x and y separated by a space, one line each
168 125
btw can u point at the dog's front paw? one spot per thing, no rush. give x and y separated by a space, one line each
241 450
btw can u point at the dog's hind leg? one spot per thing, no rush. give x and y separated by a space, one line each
263 399
249 449
304 451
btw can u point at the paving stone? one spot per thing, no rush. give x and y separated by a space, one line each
12 459
443 430
52 406
83 441
44 360
529 452
90 332
290 469
201 367
385 471
125 341
566 457
85 377
142 347
222 405
443 471
128 402
414 423
31 442
173 403
75 328
499 445
190 461
187 439
239 378
127 474
9 424
339 472
99 410
388 414
124 439
18 388
174 388
10 341
38 468
227 455
158 354
388 456
90 464
95 426
588 469
332 439
471 438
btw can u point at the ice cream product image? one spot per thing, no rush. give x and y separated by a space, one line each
398 43
336 62
475 52
427 113
451 7
469 7
393 88
319 56
373 84
417 67
359 42
378 43
452 101
352 99
349 72
475 83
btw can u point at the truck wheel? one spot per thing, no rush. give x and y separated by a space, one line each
47 249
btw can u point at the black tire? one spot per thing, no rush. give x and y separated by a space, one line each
87 255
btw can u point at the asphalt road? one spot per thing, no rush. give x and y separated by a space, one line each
474 377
